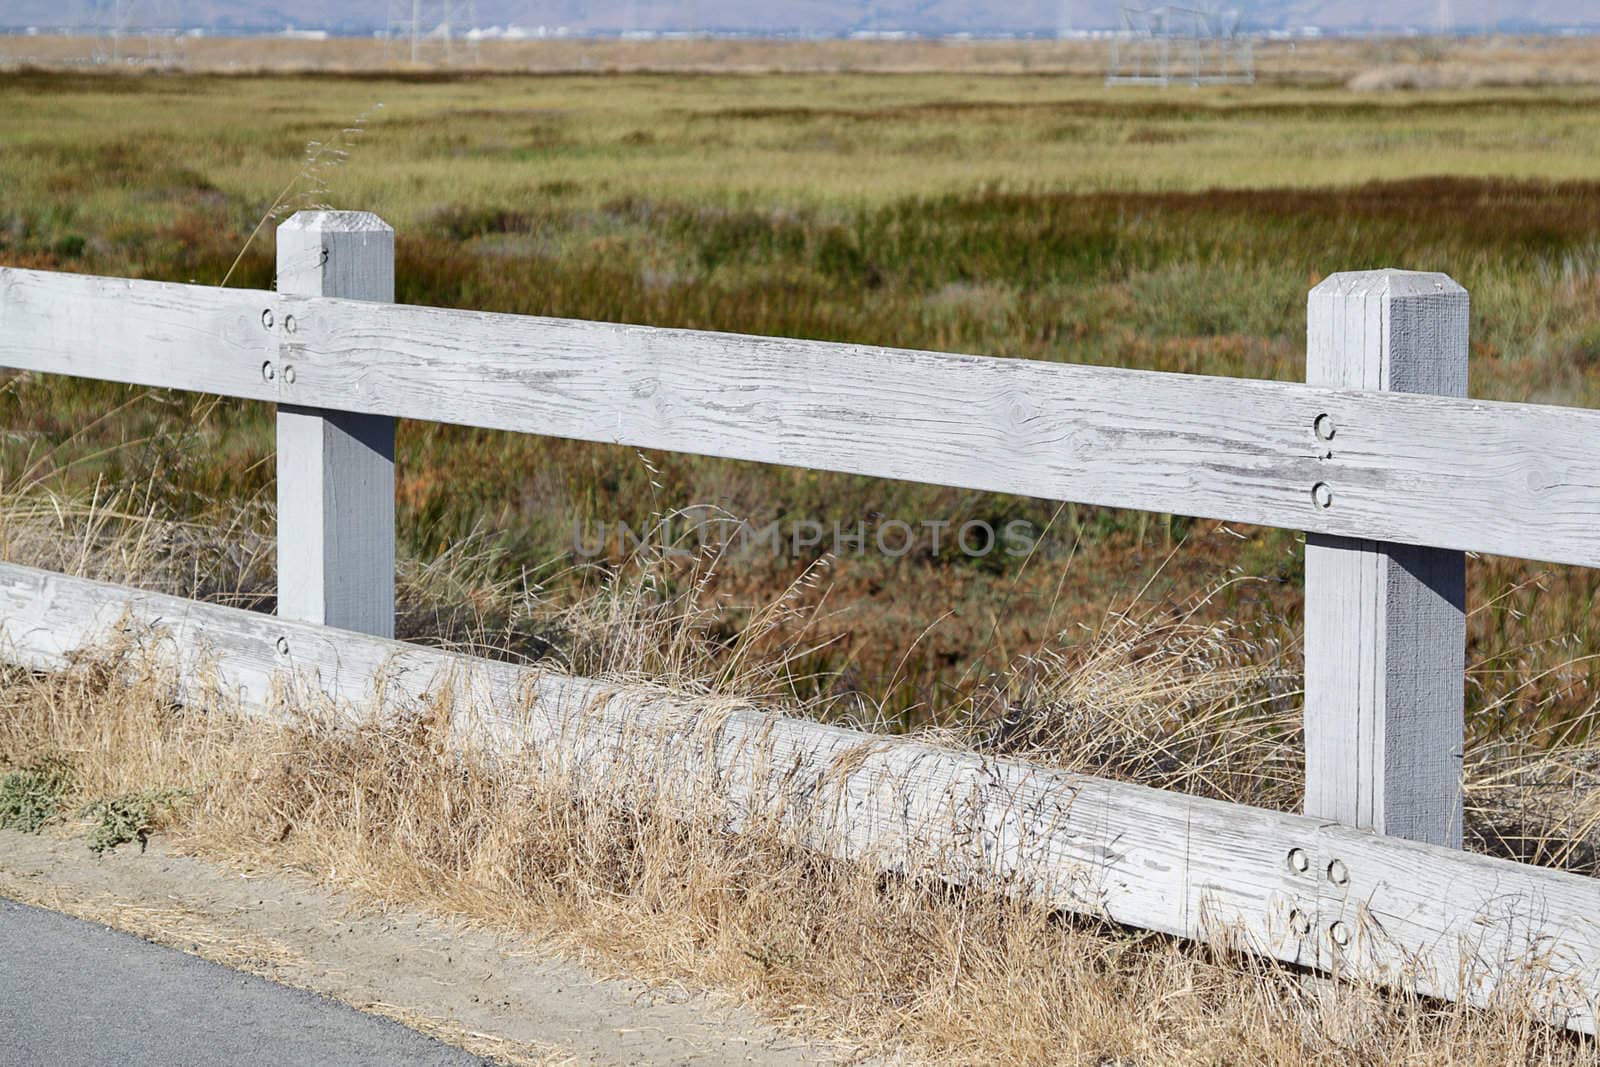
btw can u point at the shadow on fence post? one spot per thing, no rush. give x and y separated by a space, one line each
335 468
1385 623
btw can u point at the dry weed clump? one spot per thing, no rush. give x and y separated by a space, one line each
388 810
129 529
1157 696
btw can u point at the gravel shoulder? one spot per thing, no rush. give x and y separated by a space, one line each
79 992
489 994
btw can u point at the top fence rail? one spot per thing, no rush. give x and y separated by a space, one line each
1511 479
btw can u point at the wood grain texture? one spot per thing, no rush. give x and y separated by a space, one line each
1295 888
1386 624
335 468
1514 479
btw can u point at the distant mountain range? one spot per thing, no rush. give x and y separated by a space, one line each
827 17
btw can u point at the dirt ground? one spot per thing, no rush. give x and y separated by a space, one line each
494 996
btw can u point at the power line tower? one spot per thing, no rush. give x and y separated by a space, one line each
144 32
1166 43
433 32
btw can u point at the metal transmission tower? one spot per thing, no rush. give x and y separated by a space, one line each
433 32
132 31
1166 43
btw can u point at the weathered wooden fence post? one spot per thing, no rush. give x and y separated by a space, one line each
1385 623
335 468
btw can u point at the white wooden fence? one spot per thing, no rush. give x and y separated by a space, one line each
1392 472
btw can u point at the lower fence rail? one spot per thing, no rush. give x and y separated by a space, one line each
1298 889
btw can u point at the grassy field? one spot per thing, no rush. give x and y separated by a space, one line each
1036 217
985 210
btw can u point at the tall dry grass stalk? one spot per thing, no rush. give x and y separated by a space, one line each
308 189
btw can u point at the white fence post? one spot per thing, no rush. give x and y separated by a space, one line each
1385 623
336 468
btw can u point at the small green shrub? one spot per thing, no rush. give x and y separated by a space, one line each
32 795
130 817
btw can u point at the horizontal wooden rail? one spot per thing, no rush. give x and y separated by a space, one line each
1291 887
1513 479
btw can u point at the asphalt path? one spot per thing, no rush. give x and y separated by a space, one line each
73 992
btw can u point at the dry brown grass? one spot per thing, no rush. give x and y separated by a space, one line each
1459 74
388 810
